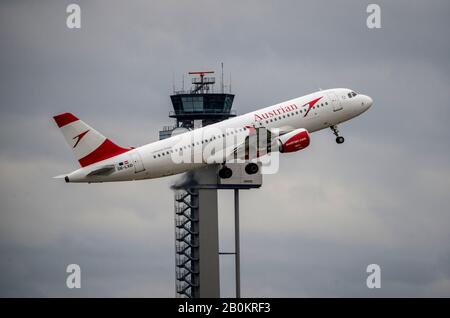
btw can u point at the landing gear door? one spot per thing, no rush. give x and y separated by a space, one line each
137 162
335 102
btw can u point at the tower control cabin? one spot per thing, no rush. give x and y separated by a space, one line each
200 106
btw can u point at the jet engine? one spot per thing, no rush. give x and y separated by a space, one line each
293 141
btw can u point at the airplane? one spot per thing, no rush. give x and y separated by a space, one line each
102 160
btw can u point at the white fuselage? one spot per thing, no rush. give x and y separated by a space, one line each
154 160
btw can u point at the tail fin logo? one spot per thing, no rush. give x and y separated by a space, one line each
79 137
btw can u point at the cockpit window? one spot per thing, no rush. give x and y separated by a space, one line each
349 95
353 94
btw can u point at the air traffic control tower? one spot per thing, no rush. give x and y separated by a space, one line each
196 202
199 106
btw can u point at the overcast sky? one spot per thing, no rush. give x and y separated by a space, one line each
382 197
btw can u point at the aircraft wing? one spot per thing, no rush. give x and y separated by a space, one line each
247 148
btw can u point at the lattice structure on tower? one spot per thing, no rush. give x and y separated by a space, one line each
186 243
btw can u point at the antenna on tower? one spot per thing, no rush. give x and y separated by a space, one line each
221 83
173 82
182 83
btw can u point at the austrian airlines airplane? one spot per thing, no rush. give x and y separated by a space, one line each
286 124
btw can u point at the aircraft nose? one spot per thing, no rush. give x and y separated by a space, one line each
367 101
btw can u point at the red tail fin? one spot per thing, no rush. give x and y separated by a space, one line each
88 145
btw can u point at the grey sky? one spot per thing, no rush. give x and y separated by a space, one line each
382 197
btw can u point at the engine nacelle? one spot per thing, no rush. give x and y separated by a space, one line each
294 141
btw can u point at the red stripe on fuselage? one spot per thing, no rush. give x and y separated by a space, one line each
106 150
64 119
